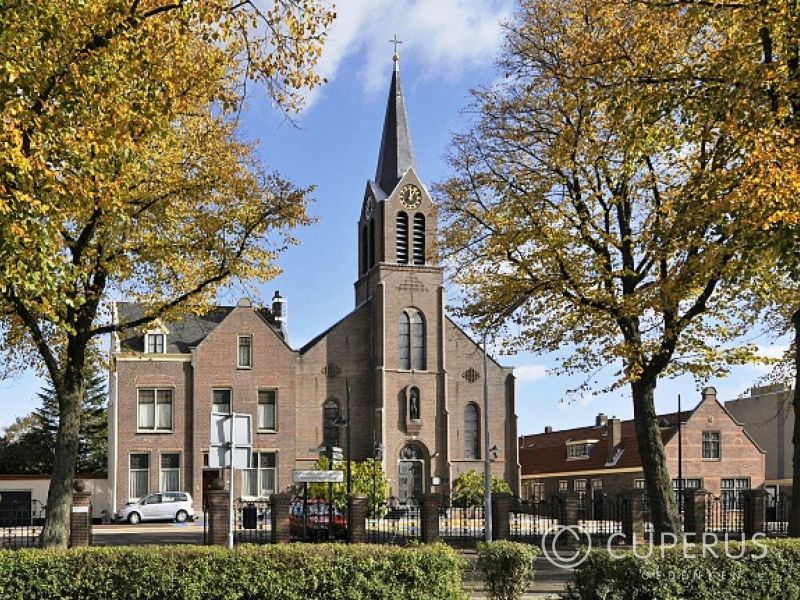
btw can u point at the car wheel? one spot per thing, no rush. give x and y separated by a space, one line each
134 518
181 516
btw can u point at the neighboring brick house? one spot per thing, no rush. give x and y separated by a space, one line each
717 455
415 376
768 416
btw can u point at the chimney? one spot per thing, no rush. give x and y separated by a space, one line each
601 420
709 393
613 438
280 312
548 429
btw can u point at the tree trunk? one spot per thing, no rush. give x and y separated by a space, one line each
59 499
794 513
663 509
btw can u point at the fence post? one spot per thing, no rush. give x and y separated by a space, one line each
694 512
571 502
357 523
80 523
279 516
218 517
633 515
754 506
429 517
501 510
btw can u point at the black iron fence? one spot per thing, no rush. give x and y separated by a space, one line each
21 524
252 522
600 515
530 520
725 513
397 525
462 526
776 514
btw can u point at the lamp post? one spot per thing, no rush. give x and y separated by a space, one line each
487 463
344 421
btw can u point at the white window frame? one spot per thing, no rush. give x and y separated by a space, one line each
274 392
563 485
162 471
131 473
576 487
258 471
638 484
239 363
156 428
230 398
151 334
718 442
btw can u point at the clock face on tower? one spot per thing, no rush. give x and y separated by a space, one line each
410 196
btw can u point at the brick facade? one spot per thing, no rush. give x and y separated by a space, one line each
547 470
363 349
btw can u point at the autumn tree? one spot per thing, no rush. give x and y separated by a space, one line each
122 173
587 193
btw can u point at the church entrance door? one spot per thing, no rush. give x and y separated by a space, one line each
411 474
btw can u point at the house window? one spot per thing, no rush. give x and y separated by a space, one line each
267 410
155 410
579 450
579 485
245 360
419 239
472 445
170 479
638 484
330 412
538 491
711 445
597 484
205 459
221 401
401 237
731 490
155 343
138 476
563 485
259 481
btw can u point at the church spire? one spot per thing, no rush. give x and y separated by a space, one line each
396 154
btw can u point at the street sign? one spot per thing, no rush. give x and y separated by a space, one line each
309 476
219 446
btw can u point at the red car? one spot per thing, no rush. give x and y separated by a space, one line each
316 520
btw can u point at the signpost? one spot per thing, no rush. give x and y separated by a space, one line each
307 476
230 447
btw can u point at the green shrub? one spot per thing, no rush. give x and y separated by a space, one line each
677 577
508 568
280 572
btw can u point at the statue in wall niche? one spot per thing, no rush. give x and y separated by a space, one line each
413 410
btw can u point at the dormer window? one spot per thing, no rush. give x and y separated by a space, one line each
155 343
580 449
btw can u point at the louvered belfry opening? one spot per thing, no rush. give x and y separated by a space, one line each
364 250
372 243
419 239
401 237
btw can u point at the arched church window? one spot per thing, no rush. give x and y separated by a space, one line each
372 242
330 412
401 237
419 239
472 445
411 339
414 404
411 452
364 250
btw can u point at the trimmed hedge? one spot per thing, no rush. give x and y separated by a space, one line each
675 576
508 568
279 572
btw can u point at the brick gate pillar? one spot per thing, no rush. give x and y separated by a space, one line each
501 510
357 520
429 517
694 512
754 507
571 503
279 514
80 522
633 515
218 517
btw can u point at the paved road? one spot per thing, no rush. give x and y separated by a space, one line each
148 533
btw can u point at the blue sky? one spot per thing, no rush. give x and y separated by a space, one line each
448 47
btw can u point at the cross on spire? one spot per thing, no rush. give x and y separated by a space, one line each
395 41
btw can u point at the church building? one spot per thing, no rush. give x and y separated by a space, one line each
413 377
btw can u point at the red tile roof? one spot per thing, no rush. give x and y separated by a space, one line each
543 453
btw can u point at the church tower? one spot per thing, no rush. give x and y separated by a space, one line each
402 283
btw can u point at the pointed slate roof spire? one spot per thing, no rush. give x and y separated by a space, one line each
396 154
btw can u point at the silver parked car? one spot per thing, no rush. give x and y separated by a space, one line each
163 506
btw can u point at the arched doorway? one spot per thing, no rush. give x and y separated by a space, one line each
411 474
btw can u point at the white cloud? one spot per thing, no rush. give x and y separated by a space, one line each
446 37
773 350
530 373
